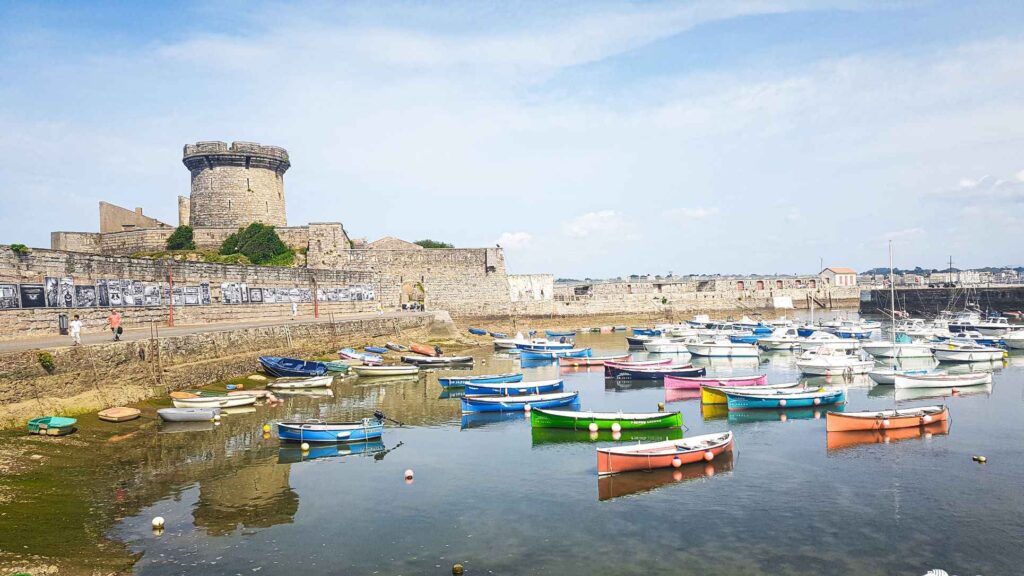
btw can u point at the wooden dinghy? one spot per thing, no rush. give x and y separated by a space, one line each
301 383
461 381
592 360
367 371
684 383
576 420
711 394
941 380
513 389
884 419
671 453
118 414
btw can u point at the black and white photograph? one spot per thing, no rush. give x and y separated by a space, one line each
191 295
66 293
32 296
151 295
270 295
85 296
230 293
243 292
204 293
8 296
52 292
102 296
127 298
256 295
138 290
178 295
114 294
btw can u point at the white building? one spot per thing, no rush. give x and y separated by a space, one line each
838 276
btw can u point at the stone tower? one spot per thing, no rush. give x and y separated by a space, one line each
235 186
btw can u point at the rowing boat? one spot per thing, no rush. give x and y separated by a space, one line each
225 401
437 360
368 359
671 453
291 367
319 431
604 420
941 380
516 403
514 389
461 381
365 371
711 394
554 354
654 372
743 400
884 419
187 414
301 383
639 363
683 383
592 360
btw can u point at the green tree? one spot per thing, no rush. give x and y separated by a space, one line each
433 244
181 239
260 244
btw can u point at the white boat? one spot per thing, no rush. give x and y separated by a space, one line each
1014 339
187 414
510 343
300 383
942 380
666 346
961 350
832 362
722 349
214 401
404 370
887 376
825 340
995 326
781 339
888 349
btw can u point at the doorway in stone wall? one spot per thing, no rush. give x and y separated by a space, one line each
413 294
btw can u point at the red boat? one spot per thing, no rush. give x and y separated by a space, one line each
423 349
670 453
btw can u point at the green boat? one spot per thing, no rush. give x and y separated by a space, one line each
337 366
52 425
541 418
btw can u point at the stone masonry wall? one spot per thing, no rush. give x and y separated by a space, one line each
88 242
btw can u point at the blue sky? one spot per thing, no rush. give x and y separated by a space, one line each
588 139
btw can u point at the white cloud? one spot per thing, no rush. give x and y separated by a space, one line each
514 240
1020 176
696 213
603 222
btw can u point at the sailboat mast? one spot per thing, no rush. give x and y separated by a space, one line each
892 297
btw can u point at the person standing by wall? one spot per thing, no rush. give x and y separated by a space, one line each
115 324
295 309
76 330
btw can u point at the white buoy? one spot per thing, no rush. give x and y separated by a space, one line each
527 408
676 462
817 401
408 474
216 417
782 402
616 427
304 446
592 427
709 455
927 418
158 522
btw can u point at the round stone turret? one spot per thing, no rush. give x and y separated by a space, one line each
237 185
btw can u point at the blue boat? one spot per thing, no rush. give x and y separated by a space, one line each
539 387
855 334
320 431
557 334
376 349
782 398
353 354
555 354
805 332
761 329
489 403
541 346
646 332
291 367
478 331
461 381
498 335
751 339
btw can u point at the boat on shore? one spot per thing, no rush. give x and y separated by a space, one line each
461 381
711 394
366 359
942 380
291 367
758 399
300 383
694 383
478 331
670 453
489 403
225 401
396 347
594 421
514 389
593 360
884 419
437 360
52 425
400 370
320 431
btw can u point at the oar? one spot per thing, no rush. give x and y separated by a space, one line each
380 416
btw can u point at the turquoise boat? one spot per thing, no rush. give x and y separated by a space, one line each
52 425
784 398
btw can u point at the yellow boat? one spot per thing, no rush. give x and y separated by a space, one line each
716 394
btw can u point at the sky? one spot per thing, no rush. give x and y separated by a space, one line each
588 139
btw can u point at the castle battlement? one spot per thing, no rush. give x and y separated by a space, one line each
252 149
233 186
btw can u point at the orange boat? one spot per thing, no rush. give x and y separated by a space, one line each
591 361
841 440
667 454
885 419
423 349
618 485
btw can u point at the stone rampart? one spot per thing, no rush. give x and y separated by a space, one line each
237 185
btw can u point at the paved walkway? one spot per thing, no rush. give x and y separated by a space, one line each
57 341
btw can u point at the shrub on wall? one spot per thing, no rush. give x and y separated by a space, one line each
428 243
260 244
181 239
19 248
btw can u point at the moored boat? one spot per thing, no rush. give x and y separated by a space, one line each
712 394
542 345
576 420
887 349
666 346
555 354
291 367
832 362
514 388
958 350
821 339
942 380
670 453
320 431
1014 339
654 372
489 403
684 383
461 381
437 360
367 359
639 363
225 401
884 419
593 360
400 370
300 383
722 349
187 414
757 399
559 333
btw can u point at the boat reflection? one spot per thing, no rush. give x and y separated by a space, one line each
452 393
639 482
547 436
312 393
968 367
904 394
841 440
714 411
291 454
386 380
727 366
177 427
781 414
678 395
481 419
627 384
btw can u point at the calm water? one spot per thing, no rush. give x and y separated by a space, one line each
499 498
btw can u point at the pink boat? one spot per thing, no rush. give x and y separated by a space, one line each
639 364
683 383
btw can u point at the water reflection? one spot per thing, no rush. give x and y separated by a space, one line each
291 454
639 482
842 440
255 496
780 415
547 436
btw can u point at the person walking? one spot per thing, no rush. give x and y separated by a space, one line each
76 330
295 309
115 324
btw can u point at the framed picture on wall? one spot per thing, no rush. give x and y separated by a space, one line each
52 292
191 295
32 296
204 293
151 295
66 293
102 296
256 295
85 297
8 296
